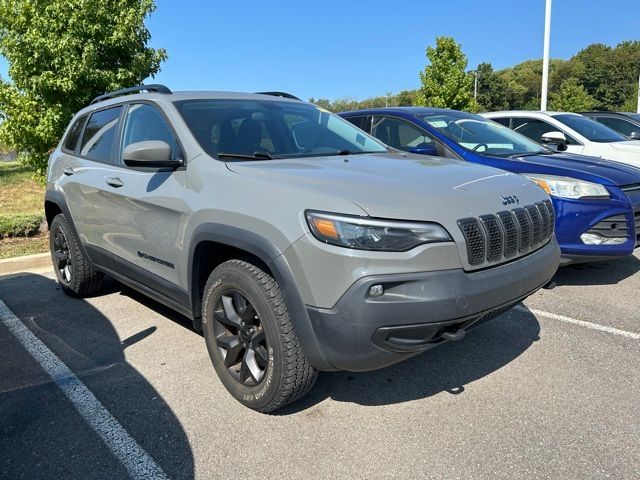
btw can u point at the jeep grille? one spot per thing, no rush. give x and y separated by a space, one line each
496 238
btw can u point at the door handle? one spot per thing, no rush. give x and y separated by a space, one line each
115 182
68 171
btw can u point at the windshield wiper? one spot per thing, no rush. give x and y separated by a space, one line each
370 152
349 152
254 156
530 154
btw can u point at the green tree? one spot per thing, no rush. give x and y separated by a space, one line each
524 82
562 71
625 74
572 97
322 103
492 89
598 73
408 98
608 75
630 105
445 82
61 54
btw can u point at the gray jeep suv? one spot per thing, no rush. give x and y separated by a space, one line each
296 241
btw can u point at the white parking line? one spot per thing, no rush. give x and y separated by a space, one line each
582 323
137 462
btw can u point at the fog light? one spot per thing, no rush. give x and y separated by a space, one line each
376 291
594 239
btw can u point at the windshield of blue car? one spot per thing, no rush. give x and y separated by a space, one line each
635 116
481 135
590 129
263 129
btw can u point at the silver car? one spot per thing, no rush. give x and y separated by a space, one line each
296 241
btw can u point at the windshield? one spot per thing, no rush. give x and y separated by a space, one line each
272 129
481 135
590 129
635 116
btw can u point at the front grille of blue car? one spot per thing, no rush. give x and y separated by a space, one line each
637 221
496 238
611 227
632 187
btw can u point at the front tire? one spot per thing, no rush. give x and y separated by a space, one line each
251 340
74 274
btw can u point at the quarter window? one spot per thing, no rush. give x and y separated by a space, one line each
99 135
144 122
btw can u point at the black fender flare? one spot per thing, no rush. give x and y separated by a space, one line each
267 252
57 198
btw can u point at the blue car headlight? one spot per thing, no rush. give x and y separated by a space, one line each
567 187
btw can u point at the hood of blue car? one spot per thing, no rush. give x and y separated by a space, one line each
568 165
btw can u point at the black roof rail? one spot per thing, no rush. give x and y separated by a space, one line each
138 88
279 94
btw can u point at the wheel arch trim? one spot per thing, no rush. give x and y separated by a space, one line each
57 198
272 257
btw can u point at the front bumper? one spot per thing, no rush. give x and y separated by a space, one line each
421 310
575 217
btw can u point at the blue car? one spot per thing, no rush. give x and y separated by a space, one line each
597 201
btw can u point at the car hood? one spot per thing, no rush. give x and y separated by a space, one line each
409 187
565 164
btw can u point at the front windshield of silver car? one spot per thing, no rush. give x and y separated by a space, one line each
481 135
264 129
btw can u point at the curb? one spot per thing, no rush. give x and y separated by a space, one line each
26 263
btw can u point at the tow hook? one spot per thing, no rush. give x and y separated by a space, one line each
453 336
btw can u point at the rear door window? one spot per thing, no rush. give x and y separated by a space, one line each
98 140
71 141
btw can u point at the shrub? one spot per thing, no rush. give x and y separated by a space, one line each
20 224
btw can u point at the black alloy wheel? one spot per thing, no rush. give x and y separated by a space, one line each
251 339
62 256
75 274
240 338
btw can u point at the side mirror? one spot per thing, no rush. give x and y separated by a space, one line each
425 149
634 135
555 139
150 153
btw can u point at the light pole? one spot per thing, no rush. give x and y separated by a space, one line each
475 85
638 94
545 58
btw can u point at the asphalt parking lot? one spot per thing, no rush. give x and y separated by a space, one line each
548 390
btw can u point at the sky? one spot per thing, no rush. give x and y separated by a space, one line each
334 49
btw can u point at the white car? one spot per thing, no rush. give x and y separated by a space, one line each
577 133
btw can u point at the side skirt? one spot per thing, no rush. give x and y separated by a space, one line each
149 292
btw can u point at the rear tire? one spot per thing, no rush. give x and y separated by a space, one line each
74 274
251 340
